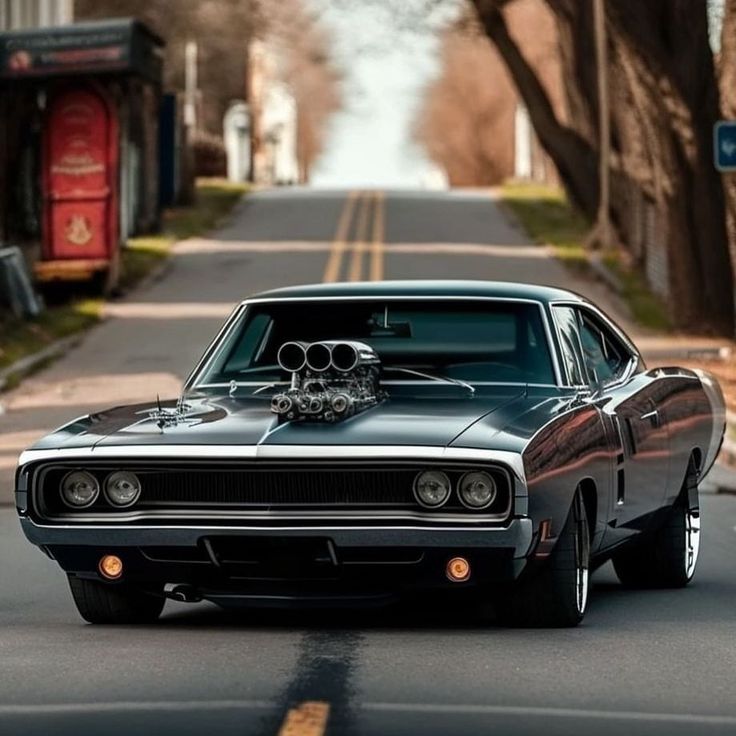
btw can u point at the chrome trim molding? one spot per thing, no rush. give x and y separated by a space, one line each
239 528
429 515
408 382
511 460
203 363
635 358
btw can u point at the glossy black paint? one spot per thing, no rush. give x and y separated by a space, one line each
627 446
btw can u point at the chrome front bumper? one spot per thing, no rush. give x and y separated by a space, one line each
517 534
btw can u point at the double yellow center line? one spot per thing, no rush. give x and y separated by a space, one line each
360 230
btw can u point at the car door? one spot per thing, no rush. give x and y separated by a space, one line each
574 377
631 402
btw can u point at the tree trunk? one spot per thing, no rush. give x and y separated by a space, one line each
727 80
669 47
574 157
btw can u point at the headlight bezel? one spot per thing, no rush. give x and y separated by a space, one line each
74 506
108 496
417 496
461 483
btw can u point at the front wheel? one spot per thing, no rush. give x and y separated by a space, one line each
104 603
667 559
556 595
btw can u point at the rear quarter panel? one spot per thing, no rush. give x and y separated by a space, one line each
694 409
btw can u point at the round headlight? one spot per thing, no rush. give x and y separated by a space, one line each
122 488
477 490
79 489
432 488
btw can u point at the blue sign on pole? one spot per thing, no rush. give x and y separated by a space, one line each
724 145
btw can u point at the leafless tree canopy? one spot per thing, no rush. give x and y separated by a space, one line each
308 70
466 122
222 30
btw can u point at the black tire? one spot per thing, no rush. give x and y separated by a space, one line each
666 558
556 594
101 603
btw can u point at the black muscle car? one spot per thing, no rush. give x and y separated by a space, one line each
359 442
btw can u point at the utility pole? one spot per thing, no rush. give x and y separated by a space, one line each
603 224
190 85
187 190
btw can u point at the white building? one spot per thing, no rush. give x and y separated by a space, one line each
18 14
274 117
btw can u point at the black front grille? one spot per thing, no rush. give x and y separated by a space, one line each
279 488
269 487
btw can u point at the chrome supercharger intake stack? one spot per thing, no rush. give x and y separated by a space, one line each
330 380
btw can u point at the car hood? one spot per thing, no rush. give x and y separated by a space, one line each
420 421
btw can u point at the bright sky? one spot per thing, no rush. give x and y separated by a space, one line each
370 141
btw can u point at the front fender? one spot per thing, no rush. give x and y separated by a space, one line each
570 449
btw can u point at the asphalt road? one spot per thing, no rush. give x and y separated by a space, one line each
648 662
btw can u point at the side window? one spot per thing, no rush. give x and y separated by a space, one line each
567 328
605 357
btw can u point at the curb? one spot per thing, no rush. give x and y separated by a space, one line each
27 364
602 271
55 350
727 455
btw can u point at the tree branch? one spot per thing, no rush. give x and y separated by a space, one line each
574 157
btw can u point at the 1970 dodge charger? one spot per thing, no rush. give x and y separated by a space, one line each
356 442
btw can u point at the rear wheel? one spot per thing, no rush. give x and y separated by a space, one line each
667 558
555 595
102 603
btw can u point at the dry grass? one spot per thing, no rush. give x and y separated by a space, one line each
72 312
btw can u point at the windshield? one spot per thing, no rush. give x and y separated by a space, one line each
488 341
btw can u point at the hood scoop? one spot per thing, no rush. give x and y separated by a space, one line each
330 381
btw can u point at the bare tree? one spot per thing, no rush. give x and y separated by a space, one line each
221 28
466 121
665 100
461 116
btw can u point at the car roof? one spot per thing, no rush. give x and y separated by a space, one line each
422 288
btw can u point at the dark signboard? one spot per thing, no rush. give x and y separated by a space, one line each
123 46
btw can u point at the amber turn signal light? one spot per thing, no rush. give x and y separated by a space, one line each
111 567
458 570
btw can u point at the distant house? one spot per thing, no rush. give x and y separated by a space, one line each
18 14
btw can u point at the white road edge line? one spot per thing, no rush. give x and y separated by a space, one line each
517 710
479 709
135 706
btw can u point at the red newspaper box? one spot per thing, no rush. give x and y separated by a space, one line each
80 175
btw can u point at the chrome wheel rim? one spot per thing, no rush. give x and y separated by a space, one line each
692 541
582 576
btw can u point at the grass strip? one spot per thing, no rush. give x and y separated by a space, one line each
75 311
546 215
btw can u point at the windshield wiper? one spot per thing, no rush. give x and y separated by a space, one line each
260 369
432 377
270 385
